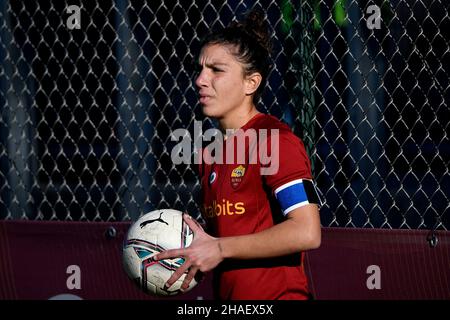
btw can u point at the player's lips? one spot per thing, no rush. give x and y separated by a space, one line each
204 98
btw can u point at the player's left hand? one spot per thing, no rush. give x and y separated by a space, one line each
204 254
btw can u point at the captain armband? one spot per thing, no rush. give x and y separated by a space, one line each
296 194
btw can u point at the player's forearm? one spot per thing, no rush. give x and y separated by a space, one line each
281 239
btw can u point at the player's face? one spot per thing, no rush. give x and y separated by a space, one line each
221 82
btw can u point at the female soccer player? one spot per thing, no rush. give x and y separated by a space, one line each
258 224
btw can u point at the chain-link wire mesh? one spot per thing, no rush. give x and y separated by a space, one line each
86 114
384 148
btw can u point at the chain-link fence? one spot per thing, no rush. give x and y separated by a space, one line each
87 106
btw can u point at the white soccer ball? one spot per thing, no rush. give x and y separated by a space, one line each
154 232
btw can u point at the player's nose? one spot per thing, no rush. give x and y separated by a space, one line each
202 79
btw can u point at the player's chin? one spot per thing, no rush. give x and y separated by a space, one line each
210 111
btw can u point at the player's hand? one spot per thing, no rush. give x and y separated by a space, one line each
203 255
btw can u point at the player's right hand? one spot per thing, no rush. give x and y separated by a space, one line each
203 255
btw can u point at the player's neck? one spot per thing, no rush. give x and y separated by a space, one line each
237 120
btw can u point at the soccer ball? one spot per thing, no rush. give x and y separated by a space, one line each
154 232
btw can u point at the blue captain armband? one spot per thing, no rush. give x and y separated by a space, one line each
296 194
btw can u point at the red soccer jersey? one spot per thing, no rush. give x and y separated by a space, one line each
238 200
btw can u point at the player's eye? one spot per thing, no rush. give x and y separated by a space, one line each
216 70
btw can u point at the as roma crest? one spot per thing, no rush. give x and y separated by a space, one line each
237 175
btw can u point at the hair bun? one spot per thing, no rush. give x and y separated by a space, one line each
255 24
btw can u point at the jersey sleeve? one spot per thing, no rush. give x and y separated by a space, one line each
292 183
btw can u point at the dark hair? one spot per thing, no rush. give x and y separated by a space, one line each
252 42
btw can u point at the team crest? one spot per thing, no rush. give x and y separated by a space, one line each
237 175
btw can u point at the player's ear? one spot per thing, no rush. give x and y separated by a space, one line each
252 83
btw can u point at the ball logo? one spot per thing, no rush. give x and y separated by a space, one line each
237 175
143 224
212 177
